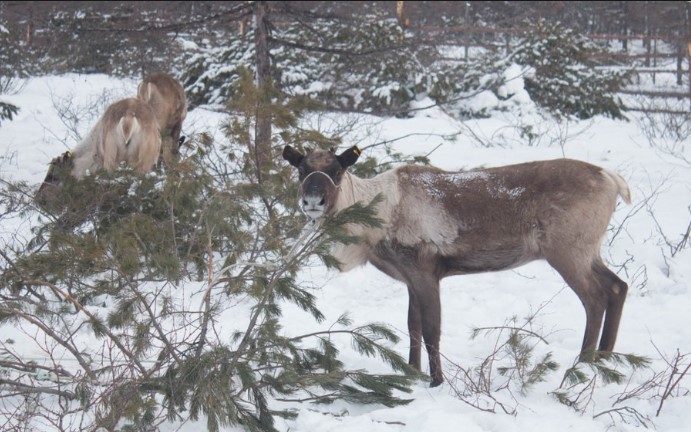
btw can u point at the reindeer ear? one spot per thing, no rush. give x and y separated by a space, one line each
349 157
293 156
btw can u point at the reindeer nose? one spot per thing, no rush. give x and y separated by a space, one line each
313 205
306 202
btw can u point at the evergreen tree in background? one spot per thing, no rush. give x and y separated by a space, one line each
563 78
373 64
9 57
349 58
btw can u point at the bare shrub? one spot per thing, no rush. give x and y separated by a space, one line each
667 128
508 368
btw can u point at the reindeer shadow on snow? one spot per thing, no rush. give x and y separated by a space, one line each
438 224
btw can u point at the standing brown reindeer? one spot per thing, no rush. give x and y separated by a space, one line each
438 224
167 98
127 132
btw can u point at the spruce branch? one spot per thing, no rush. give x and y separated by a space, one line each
577 387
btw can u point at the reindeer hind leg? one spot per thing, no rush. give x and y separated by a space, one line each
582 279
616 290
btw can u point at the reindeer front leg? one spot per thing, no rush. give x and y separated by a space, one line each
424 317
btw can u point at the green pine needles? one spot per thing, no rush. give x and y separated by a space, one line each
518 364
162 298
579 382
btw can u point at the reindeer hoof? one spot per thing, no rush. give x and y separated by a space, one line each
436 382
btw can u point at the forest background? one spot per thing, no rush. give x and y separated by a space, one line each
194 295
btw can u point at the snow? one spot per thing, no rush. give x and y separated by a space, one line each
655 322
429 181
514 86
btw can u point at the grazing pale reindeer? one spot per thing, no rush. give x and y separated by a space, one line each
438 224
127 132
167 98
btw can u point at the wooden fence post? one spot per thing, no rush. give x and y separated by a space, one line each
402 20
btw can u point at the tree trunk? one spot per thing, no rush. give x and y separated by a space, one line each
688 46
262 135
625 25
648 33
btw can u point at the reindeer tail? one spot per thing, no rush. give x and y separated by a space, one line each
128 127
145 91
622 187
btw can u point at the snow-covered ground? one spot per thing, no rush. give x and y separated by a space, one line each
656 320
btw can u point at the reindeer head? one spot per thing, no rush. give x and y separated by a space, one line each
59 168
320 173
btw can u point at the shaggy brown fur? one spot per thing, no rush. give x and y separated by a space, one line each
167 98
439 224
127 132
